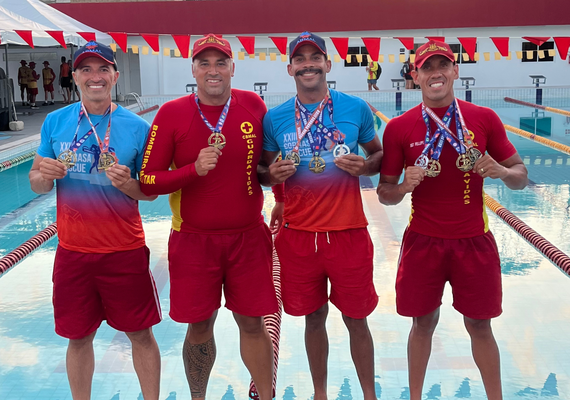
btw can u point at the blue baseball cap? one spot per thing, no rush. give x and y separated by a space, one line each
94 49
307 38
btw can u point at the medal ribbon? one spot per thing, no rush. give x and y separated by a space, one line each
221 120
104 146
465 135
308 120
76 144
442 133
335 135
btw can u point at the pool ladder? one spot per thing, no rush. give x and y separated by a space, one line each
137 99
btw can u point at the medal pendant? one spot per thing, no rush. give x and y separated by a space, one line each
217 140
106 160
340 150
67 158
474 154
433 168
317 164
294 156
422 161
464 163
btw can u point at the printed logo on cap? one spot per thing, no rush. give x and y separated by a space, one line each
93 46
211 39
433 47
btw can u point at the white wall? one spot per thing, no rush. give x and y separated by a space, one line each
163 75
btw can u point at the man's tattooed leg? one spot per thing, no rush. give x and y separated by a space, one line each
198 362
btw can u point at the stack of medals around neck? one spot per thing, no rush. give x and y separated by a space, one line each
106 159
216 139
462 142
304 121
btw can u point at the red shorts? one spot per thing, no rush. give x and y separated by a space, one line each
472 267
201 264
32 91
309 259
89 288
48 88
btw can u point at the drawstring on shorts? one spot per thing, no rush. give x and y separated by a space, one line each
316 236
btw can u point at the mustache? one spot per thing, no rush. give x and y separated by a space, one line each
309 71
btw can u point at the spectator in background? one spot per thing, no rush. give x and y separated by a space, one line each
65 80
23 81
48 77
374 70
73 86
32 85
407 70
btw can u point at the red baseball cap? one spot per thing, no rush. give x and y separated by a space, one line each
211 41
433 48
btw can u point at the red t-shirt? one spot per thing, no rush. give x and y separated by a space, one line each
229 198
450 205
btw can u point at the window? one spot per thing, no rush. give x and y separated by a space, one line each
354 62
528 46
459 49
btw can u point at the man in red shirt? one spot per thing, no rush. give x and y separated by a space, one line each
203 150
448 238
48 77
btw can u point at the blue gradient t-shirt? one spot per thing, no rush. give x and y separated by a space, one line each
92 215
329 201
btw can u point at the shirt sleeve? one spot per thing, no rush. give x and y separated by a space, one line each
393 160
269 142
498 144
367 132
45 149
141 146
155 175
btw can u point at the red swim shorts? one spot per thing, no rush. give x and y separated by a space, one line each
309 259
470 265
202 264
89 288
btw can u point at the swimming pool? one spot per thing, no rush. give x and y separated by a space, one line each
532 332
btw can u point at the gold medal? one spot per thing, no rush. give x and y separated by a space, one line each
294 156
433 168
217 140
464 163
317 164
67 158
474 154
106 160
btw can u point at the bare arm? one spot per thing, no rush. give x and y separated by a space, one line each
390 192
511 171
357 165
43 173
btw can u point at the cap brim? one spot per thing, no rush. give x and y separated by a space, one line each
450 58
83 56
203 49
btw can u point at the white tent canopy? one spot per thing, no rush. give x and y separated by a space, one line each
39 17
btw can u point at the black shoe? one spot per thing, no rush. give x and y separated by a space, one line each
45 103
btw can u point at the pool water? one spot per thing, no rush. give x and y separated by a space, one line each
532 332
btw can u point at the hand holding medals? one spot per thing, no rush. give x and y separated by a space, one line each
413 176
354 164
119 175
207 160
51 169
487 167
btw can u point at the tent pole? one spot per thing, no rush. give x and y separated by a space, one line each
8 87
72 82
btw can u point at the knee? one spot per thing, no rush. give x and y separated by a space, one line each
142 337
316 320
480 328
250 325
426 324
79 343
355 325
201 328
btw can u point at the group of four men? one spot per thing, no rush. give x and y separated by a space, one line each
211 151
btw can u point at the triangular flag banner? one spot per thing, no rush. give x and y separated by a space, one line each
349 58
135 49
509 56
497 55
530 54
145 50
252 55
166 51
337 58
280 43
368 58
152 40
541 54
465 56
272 56
412 58
476 57
183 44
359 58
487 56
502 44
261 56
381 58
562 44
438 38
88 36
241 55
519 54
408 42
456 55
113 47
402 58
248 43
341 45
469 44
328 57
177 53
27 36
58 36
373 47
391 58
284 57
120 38
536 40
551 52
155 53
